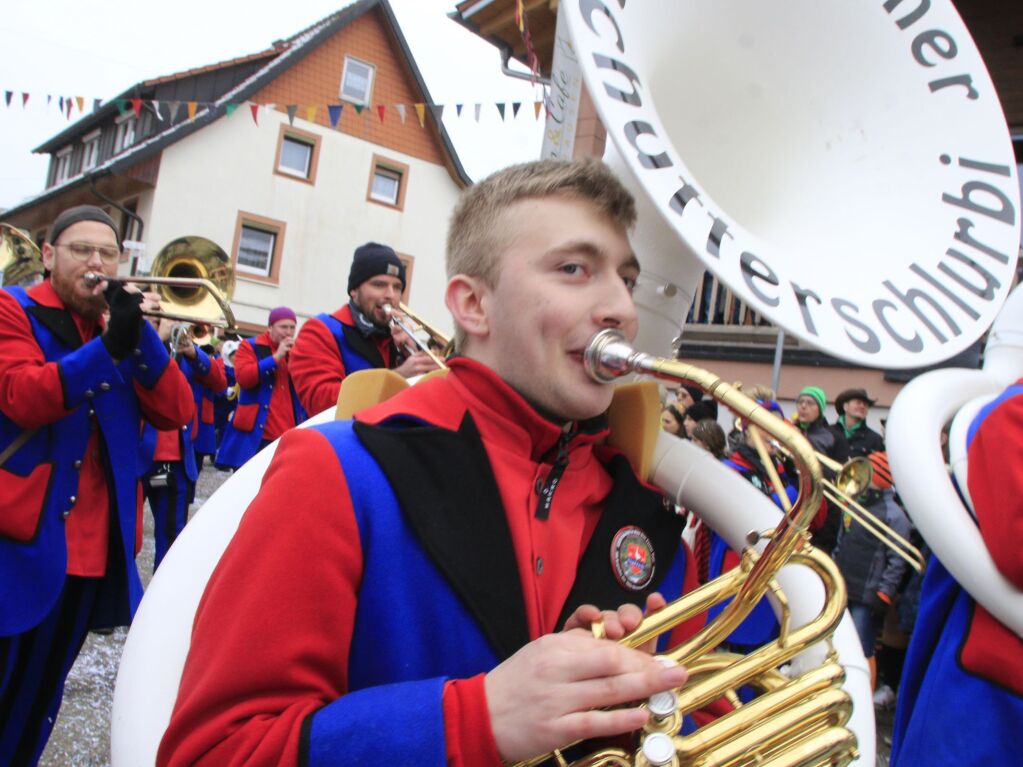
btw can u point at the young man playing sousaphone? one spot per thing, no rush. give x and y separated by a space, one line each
416 587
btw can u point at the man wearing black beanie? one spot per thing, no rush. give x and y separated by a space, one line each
74 388
358 335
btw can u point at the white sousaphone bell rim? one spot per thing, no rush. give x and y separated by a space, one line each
977 127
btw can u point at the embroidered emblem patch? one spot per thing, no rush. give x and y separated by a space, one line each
392 270
632 557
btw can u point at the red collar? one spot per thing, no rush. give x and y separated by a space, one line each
496 408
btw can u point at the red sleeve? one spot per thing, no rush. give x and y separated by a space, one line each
246 366
31 394
469 739
168 404
996 485
316 367
216 379
243 700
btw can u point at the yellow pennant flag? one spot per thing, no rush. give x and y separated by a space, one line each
192 106
310 113
81 103
537 106
421 111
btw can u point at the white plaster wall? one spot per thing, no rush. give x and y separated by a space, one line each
227 167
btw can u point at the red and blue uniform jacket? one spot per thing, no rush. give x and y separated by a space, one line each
328 348
65 389
244 432
203 373
388 563
210 380
962 660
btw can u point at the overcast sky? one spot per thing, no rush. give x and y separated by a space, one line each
99 49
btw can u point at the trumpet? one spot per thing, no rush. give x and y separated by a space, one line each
799 721
396 321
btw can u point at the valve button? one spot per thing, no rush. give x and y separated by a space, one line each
662 704
658 748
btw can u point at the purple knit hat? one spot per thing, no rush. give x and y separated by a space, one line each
281 313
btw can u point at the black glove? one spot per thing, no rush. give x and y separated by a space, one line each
125 323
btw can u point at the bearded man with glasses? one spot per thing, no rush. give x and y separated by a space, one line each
75 384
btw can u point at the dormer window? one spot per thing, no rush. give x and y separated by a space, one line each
125 135
90 150
357 81
63 171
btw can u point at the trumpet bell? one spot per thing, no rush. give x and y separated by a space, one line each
190 258
854 477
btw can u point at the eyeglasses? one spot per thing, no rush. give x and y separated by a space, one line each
82 251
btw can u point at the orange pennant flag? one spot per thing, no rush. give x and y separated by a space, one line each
537 106
192 106
310 113
81 103
421 111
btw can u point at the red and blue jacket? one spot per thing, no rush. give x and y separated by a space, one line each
258 374
82 411
388 563
328 348
961 697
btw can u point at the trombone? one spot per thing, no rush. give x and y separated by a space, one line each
851 479
436 335
194 279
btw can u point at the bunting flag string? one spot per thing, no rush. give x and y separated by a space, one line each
169 111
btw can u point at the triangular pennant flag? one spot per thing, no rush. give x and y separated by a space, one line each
401 112
96 104
291 109
359 108
8 95
537 106
515 108
229 109
438 111
173 107
24 99
421 112
136 107
60 102
49 99
500 108
458 110
155 104
68 104
478 109
192 106
122 105
310 113
254 108
334 113
380 111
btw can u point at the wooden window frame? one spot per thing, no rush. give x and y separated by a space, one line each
400 168
410 265
304 137
255 221
90 141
